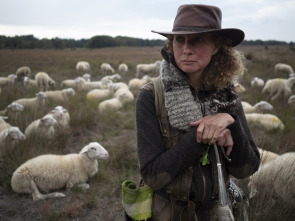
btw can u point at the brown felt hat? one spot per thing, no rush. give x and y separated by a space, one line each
193 19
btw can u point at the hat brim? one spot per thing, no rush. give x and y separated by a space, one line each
236 35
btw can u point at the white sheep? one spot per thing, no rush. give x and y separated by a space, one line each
13 108
257 82
129 97
259 107
22 72
30 83
9 80
99 95
83 67
83 85
60 96
277 174
87 77
135 84
112 105
268 122
148 69
9 137
114 78
3 124
106 68
283 68
43 127
123 68
47 173
44 81
33 103
291 100
278 88
266 156
71 83
62 117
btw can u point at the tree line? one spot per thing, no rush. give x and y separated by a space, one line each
100 41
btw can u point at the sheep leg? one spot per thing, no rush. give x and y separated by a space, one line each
38 196
84 186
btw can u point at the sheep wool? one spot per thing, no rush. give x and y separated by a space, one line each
259 107
50 172
281 68
278 88
9 80
33 103
83 67
43 127
44 81
268 122
152 69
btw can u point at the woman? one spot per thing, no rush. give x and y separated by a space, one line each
200 108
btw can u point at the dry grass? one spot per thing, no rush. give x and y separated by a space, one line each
116 132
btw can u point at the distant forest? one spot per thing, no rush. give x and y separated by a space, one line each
101 41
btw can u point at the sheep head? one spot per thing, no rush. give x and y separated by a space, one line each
14 133
95 151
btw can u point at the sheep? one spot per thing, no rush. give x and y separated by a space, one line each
129 97
83 67
62 117
43 127
148 69
112 105
87 77
291 100
106 68
48 172
83 85
9 80
266 156
278 88
13 108
22 72
30 83
99 95
259 107
279 174
257 82
3 124
268 122
44 81
123 68
9 137
33 103
135 84
283 68
60 95
114 78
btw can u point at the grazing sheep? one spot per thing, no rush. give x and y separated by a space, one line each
9 137
259 107
283 69
9 80
87 77
279 173
22 72
43 127
13 108
257 82
83 67
62 117
47 173
278 88
71 83
83 85
148 69
44 81
123 68
99 95
106 68
112 105
114 78
60 96
266 156
291 100
35 102
30 83
268 122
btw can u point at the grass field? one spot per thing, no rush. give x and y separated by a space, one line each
117 131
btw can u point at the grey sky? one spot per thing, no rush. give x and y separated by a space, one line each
259 19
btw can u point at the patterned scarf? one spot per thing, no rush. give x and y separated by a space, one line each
184 106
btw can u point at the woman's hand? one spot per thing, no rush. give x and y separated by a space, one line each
213 128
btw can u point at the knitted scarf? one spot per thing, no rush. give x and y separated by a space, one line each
184 106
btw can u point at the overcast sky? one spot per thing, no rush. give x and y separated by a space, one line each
77 19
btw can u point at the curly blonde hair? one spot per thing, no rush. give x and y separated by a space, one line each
225 67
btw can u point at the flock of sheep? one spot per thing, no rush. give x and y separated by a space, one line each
45 173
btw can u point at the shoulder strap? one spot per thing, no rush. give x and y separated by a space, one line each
158 92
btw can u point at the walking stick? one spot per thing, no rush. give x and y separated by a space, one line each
225 212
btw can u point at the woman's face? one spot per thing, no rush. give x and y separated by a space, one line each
193 52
